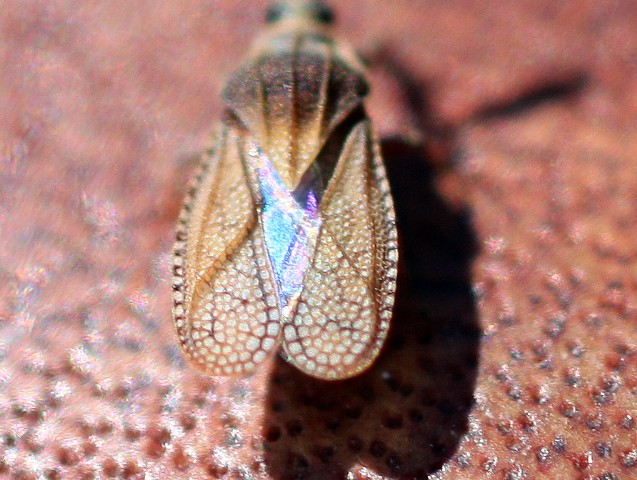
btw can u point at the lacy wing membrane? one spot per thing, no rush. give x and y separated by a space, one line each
225 307
343 312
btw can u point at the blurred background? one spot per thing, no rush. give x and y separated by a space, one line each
509 134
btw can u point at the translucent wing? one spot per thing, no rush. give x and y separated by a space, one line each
343 312
225 308
292 225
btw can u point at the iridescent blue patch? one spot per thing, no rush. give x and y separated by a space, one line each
291 224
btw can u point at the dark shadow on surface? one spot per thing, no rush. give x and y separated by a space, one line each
405 416
559 89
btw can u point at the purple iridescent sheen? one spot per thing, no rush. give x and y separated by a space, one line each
291 223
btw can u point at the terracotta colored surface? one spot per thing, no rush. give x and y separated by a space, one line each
514 348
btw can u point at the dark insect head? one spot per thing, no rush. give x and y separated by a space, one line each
314 10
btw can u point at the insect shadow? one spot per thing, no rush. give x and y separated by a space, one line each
406 414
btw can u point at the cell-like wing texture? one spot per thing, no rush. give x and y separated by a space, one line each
292 225
225 308
343 312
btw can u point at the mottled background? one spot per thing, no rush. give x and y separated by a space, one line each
513 351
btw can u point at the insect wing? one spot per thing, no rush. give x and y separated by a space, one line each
344 309
225 308
292 226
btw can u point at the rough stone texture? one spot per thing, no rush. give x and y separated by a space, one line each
513 353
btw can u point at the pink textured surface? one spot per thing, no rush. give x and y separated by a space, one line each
514 347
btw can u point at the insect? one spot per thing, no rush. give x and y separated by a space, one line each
288 236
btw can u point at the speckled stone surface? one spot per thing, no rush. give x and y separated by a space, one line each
513 351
